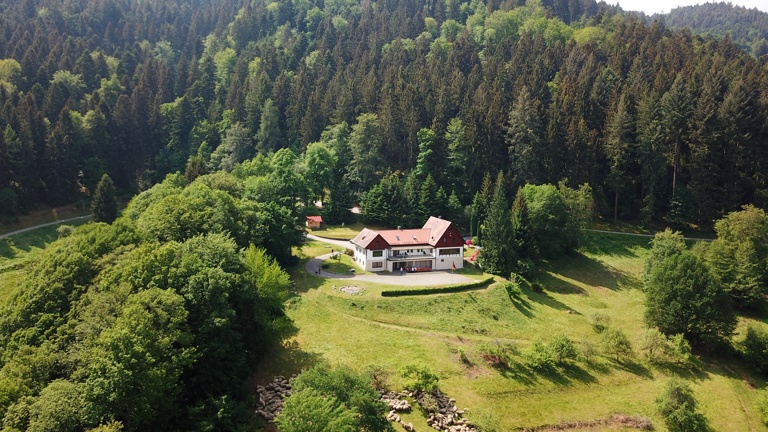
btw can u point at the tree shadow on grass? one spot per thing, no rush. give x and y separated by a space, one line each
5 249
520 303
302 280
634 367
586 270
284 358
518 372
612 244
689 371
547 300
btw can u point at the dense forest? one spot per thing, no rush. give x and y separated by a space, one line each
658 122
233 118
152 322
748 28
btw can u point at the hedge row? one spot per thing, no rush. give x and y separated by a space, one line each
443 290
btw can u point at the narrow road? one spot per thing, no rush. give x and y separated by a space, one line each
643 235
346 244
12 233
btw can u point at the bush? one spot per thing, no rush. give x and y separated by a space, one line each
616 343
678 408
498 354
539 357
755 349
513 291
428 403
762 407
443 290
679 348
562 349
600 321
421 379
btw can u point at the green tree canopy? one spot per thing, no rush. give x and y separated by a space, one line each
739 256
104 205
683 297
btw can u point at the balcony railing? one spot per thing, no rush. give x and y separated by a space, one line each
410 256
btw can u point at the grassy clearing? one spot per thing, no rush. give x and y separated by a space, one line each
346 232
342 265
604 276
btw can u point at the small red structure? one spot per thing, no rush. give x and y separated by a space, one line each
314 222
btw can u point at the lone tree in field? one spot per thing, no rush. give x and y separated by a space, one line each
104 204
683 297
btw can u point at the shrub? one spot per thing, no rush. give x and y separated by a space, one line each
762 407
653 344
513 291
616 343
539 356
498 354
679 348
678 408
421 379
588 351
600 321
755 349
562 349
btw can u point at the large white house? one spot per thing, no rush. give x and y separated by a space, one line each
436 246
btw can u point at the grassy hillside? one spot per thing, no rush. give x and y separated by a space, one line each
367 330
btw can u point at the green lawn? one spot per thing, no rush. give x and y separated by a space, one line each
342 264
346 232
367 329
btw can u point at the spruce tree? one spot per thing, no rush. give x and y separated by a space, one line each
498 255
104 204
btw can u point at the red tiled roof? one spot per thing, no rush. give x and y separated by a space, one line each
438 227
364 237
407 237
315 218
430 234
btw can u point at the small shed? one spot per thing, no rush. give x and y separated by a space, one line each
314 222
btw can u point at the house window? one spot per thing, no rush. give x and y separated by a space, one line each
455 251
377 264
378 254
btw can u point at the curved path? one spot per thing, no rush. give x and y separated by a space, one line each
433 278
12 233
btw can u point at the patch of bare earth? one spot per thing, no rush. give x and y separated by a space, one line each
615 421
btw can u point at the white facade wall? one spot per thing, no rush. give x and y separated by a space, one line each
367 261
446 262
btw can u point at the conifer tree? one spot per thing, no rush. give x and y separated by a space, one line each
498 255
104 205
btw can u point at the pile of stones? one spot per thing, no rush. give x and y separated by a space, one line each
272 396
448 417
397 403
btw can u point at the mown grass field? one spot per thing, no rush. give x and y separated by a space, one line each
367 330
